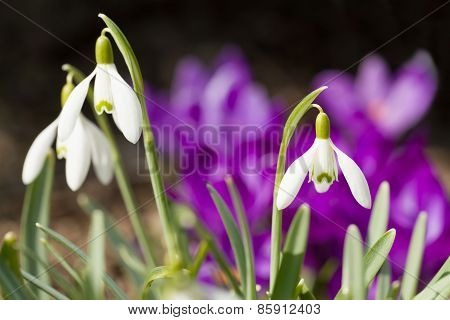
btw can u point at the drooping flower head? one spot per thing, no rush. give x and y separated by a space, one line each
320 161
111 95
84 144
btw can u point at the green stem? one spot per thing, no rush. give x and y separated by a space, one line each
120 174
289 129
168 224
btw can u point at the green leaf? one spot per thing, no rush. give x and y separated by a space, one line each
11 281
96 256
36 209
202 252
162 272
384 282
293 254
44 287
353 266
129 261
437 285
414 259
115 289
232 232
395 288
380 214
302 291
374 258
218 255
250 286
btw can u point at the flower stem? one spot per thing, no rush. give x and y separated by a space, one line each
120 174
289 129
168 224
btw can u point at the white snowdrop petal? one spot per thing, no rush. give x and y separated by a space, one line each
72 107
293 179
323 186
101 153
103 100
355 178
35 158
78 157
127 106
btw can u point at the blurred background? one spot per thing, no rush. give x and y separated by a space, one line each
286 43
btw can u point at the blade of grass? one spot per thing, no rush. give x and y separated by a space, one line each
414 259
232 231
395 288
353 265
115 289
44 287
374 258
379 216
293 254
36 209
431 290
250 286
440 290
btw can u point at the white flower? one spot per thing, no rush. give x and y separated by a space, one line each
111 94
84 143
320 161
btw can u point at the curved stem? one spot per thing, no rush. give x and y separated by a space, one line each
168 224
120 174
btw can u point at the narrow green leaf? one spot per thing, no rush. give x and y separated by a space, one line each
324 276
43 286
384 282
115 289
218 255
395 288
302 291
373 260
162 272
246 237
353 265
436 286
293 254
130 262
11 282
414 259
232 231
36 209
60 260
96 256
380 215
202 252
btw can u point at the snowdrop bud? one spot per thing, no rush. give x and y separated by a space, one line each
322 126
66 91
103 51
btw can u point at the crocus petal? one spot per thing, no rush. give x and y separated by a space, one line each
72 108
127 106
102 90
101 152
78 157
355 178
410 96
372 81
37 153
293 179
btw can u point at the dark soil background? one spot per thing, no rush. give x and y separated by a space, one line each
286 43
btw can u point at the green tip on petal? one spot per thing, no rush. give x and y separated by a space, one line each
65 92
103 106
322 126
103 50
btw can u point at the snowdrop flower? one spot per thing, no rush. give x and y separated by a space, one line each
85 143
111 95
320 162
